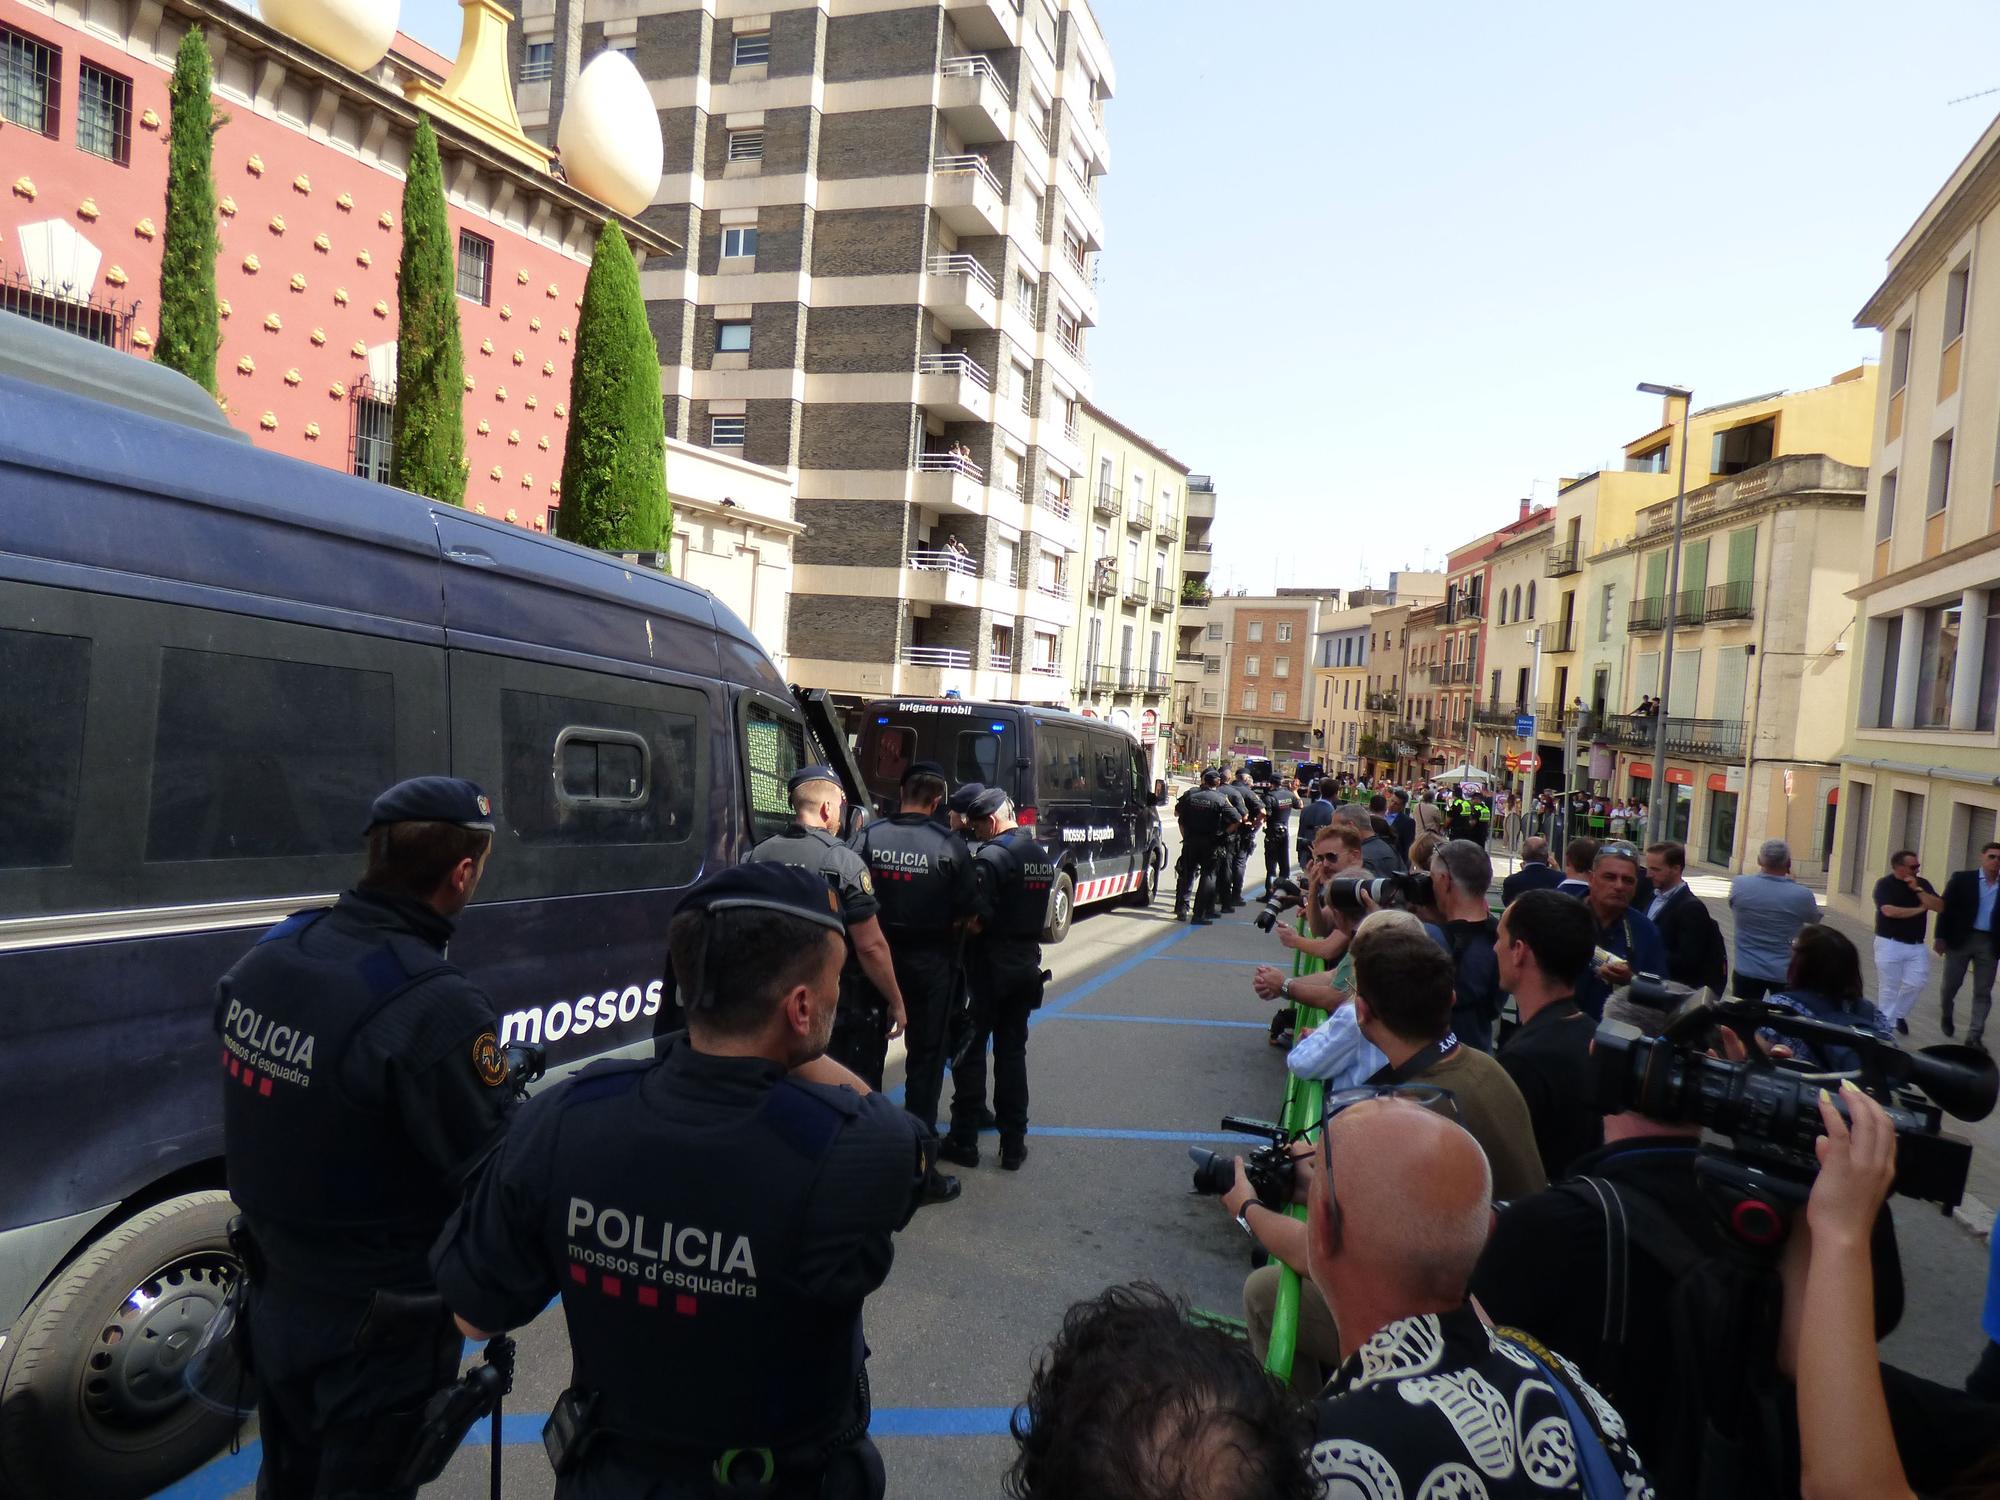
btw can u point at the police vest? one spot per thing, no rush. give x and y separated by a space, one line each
911 860
1023 875
299 1149
678 1249
1203 813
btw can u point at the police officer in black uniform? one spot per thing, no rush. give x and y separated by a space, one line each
713 1220
1249 811
363 1082
923 878
1015 875
961 804
1206 817
1280 802
871 1011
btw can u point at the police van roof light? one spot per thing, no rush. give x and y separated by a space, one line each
881 721
998 728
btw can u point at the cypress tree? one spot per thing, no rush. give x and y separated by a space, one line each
614 479
430 359
190 328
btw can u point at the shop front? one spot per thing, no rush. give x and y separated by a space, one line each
1680 796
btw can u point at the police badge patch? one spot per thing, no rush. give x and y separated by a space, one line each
867 882
488 1060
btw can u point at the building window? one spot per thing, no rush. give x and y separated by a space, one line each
1215 630
1024 294
753 49
739 243
549 519
1254 631
1937 665
1604 614
1939 493
538 62
1281 666
1885 513
1252 665
1284 630
1957 291
732 337
746 145
1024 382
1899 359
104 114
375 434
725 432
1531 598
1890 633
1652 461
475 268
1045 25
1250 700
29 77
86 318
1742 448
1278 702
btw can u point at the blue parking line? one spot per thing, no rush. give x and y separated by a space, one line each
1229 963
1093 1015
524 1430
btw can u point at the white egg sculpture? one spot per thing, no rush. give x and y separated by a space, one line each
354 32
610 134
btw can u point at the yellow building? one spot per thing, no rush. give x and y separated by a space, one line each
1919 768
1516 598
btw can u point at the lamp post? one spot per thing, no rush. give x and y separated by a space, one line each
1656 820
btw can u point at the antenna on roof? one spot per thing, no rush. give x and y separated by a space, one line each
1963 97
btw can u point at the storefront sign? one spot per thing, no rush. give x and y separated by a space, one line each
1149 726
1680 776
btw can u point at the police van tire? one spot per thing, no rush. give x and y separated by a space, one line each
1062 908
78 1415
1148 886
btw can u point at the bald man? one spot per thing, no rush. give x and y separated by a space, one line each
1397 1214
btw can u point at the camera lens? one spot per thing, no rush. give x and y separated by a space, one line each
1213 1174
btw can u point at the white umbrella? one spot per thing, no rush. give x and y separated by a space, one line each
1464 773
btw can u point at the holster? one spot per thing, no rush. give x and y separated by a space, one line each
398 1318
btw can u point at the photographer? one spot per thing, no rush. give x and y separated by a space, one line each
1460 874
1336 851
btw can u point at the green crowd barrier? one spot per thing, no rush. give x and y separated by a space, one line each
1301 1110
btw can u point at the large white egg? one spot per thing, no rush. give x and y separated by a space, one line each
354 32
610 134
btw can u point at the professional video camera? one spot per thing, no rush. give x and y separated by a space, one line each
1768 1106
1280 896
1270 1167
1401 891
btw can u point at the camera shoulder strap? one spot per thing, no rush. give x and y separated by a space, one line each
1661 1240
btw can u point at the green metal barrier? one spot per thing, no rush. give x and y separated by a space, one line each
1301 1109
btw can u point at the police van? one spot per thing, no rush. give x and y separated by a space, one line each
1079 783
213 658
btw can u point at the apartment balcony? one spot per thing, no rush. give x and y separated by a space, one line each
1194 613
1136 591
1560 637
1140 516
936 656
1061 440
1382 703
1197 557
967 195
1646 616
1105 502
1688 606
974 100
949 482
1497 716
1729 601
941 577
1071 346
1103 584
960 292
1458 671
955 386
1163 599
1468 609
1200 497
1166 525
987 23
1055 503
1563 560
1699 739
1189 659
1000 661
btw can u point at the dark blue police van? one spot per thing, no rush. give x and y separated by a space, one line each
212 658
1079 782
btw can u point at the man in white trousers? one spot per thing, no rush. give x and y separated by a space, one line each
1903 906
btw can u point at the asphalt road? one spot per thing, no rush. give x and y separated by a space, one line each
1150 1034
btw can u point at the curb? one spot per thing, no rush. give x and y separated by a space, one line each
1975 1216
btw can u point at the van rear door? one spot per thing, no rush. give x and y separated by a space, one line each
972 742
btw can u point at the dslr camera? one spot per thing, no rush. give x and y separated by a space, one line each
1768 1107
1270 1167
1398 891
1280 896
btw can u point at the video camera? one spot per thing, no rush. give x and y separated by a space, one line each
1403 891
1270 1168
1768 1107
1280 896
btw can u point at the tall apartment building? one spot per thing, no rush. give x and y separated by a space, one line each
1191 618
892 220
1130 577
1918 768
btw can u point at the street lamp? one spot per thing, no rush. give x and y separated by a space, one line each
1656 820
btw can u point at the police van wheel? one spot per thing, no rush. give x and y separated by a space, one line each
1062 908
1148 886
91 1401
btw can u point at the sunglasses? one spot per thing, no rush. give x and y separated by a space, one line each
1427 1096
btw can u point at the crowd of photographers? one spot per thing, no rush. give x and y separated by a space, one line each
1607 1222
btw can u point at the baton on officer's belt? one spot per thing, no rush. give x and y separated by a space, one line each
449 1415
959 1027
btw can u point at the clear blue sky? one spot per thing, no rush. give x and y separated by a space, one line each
1468 230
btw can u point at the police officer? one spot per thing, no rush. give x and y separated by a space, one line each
713 1219
1206 817
363 1082
863 1028
923 879
1015 875
961 804
1280 802
1249 812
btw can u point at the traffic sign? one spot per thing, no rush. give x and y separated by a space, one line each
1524 726
1529 763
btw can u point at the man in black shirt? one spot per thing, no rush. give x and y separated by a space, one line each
1544 943
1460 874
1903 907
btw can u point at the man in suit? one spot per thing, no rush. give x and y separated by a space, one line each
1966 938
1535 874
1696 953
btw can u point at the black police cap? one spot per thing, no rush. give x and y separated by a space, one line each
924 768
962 799
805 774
789 889
1211 777
987 803
433 799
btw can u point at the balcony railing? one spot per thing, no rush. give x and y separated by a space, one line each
1729 601
1106 503
944 561
1166 523
1468 609
975 66
1459 671
1382 703
1073 346
1140 515
1047 669
950 463
1163 597
964 265
1708 739
935 656
1189 658
1055 588
1103 584
1687 606
962 365
1563 560
1136 591
1647 615
968 162
1492 715
1000 661
1560 636
1054 502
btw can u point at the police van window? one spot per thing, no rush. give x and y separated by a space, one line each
1111 765
261 759
583 772
979 755
1061 769
773 748
41 753
895 747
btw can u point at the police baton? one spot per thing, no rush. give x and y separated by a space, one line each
450 1414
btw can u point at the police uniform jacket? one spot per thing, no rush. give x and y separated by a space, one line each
819 851
1280 803
712 1225
923 880
1015 875
1239 798
1205 814
362 1082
